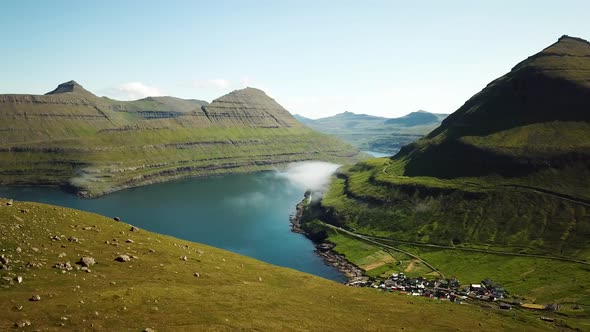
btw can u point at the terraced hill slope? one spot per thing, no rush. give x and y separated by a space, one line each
374 133
507 172
97 145
129 279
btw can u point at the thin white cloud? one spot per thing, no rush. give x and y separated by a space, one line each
136 90
216 83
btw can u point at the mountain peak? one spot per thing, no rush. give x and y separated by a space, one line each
69 86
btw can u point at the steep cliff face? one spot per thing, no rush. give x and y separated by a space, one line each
511 167
534 118
96 145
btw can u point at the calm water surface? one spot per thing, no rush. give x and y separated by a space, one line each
246 213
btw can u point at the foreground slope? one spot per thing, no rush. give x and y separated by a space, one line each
374 133
97 145
210 289
508 172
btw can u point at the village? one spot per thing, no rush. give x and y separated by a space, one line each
447 290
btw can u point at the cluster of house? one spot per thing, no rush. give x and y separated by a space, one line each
449 289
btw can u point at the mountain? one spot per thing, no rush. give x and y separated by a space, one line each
374 133
508 172
419 118
95 145
169 284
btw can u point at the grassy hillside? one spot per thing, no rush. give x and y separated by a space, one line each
501 189
97 145
373 133
174 285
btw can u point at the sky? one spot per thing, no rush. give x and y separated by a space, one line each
316 58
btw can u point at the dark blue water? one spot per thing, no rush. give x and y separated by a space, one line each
247 214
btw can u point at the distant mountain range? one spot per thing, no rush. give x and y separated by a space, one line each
95 145
374 133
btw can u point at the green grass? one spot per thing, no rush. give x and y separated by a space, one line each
97 145
159 290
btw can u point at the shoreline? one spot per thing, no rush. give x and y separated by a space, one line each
324 249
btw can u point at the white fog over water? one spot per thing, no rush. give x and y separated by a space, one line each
309 175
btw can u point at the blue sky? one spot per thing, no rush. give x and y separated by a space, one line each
316 58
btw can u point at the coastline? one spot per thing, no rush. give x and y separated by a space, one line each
324 249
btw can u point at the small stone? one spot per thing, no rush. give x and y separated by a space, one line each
123 258
64 318
260 279
22 323
147 329
86 261
63 254
9 203
129 241
134 229
19 279
73 239
67 266
152 250
184 258
197 274
35 298
117 219
19 250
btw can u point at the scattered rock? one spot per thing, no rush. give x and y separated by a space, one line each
260 279
19 279
55 238
67 266
134 229
24 210
9 203
4 259
22 323
73 239
152 250
86 261
184 258
35 298
129 241
123 258
197 274
117 219
63 254
19 250
147 329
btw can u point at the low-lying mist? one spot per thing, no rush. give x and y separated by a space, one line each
309 175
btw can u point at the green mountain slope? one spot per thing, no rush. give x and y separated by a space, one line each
374 133
507 172
174 285
97 145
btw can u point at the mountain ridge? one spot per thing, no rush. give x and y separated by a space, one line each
375 133
508 171
95 145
